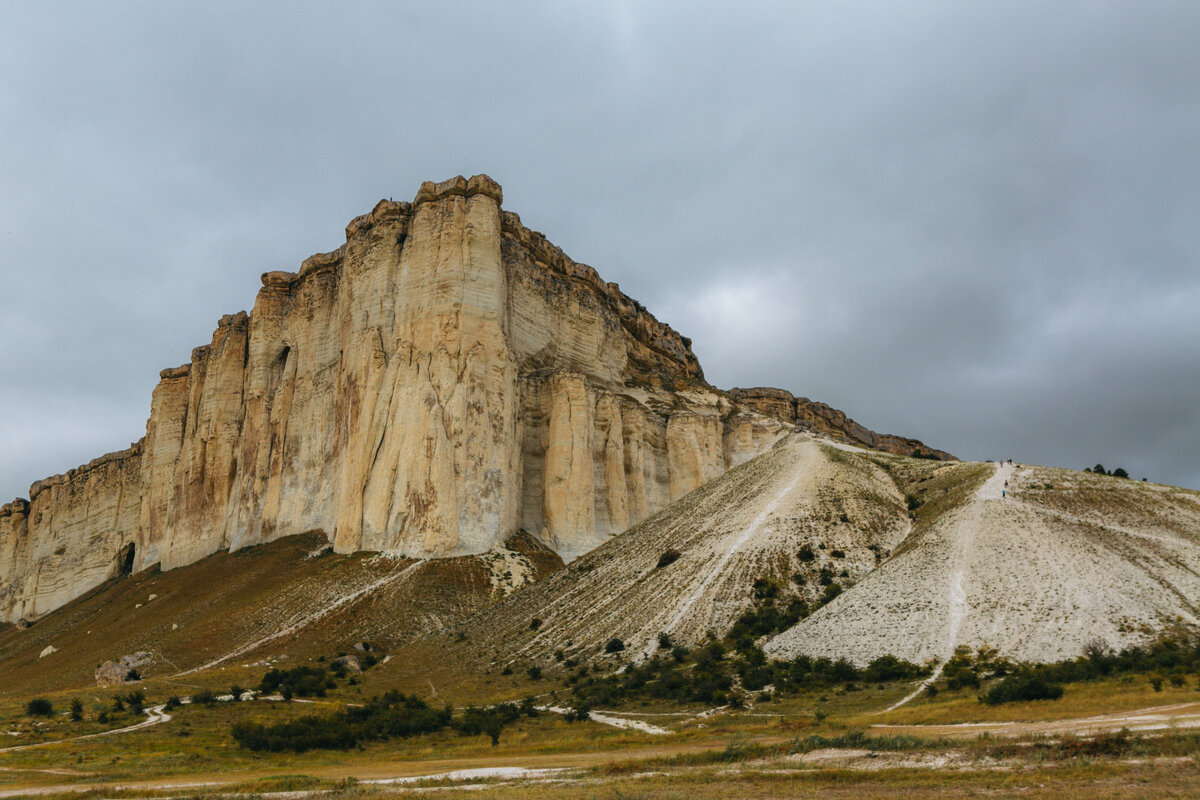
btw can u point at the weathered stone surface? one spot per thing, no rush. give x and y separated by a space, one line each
115 673
827 421
349 663
443 379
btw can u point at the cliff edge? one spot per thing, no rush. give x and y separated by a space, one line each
443 379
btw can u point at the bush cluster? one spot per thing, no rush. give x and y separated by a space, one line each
389 716
39 707
1119 472
712 673
302 681
383 717
1017 688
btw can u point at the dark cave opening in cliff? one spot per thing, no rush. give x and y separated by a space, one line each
125 560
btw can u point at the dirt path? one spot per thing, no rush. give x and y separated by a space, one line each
1155 718
719 569
305 620
154 714
615 721
958 608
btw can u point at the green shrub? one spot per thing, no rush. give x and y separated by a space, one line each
135 700
962 677
392 715
614 645
76 710
302 681
806 553
889 668
669 556
1019 688
832 590
535 673
39 707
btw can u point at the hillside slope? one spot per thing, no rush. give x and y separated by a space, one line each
292 600
749 525
1067 558
929 554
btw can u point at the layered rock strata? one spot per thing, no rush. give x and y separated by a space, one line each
443 379
825 420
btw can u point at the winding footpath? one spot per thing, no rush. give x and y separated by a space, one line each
747 534
958 608
154 716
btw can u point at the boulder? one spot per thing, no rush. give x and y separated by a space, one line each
112 673
350 663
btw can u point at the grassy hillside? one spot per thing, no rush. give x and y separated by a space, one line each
283 595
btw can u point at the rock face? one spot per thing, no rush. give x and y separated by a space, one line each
115 673
443 379
822 419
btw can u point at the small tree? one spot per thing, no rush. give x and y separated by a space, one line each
1120 472
76 710
136 700
39 707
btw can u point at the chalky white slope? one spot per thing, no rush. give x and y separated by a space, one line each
749 524
1065 559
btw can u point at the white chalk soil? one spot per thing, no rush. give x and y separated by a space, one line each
751 523
615 720
1063 560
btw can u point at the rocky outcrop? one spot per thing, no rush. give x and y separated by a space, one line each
443 379
116 673
822 419
69 536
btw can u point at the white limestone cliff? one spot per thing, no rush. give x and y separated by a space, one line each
443 379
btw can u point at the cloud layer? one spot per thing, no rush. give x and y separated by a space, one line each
975 224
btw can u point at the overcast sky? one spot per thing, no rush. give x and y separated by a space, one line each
973 223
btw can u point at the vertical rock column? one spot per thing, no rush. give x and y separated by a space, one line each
206 470
14 559
569 499
164 438
441 466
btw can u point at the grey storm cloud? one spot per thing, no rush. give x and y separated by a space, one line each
972 223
